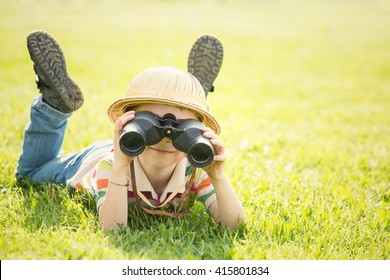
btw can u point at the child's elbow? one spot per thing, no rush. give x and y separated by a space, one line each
235 223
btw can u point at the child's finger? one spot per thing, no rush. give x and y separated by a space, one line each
120 123
219 146
210 135
219 157
207 129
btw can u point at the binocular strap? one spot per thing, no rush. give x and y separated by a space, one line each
177 215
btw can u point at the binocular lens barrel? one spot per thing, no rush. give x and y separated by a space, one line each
132 143
200 155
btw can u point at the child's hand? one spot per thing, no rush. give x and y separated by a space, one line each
120 158
215 169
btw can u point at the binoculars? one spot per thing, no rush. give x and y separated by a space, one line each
148 129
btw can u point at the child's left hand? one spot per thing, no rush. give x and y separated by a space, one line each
216 168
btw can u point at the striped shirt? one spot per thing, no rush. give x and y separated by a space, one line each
95 172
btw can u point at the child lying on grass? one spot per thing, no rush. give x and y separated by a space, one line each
162 178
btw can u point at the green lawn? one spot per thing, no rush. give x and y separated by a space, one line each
304 102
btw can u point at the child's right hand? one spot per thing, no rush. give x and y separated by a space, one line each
120 158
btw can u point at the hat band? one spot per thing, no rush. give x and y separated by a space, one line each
183 97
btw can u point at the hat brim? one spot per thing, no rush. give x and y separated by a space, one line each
118 108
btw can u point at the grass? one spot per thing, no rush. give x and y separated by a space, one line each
303 98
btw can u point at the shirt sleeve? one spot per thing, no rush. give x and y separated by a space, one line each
103 175
204 189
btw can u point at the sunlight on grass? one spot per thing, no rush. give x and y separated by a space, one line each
303 98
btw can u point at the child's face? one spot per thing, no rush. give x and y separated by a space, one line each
163 153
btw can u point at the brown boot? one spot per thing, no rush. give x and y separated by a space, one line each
57 88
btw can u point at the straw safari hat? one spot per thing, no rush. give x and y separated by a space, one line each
169 86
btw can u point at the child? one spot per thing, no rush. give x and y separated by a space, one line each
160 179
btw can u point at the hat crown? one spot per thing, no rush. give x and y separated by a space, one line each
168 86
170 83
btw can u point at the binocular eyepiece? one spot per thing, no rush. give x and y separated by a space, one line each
148 129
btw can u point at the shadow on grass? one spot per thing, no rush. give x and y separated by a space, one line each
50 206
195 236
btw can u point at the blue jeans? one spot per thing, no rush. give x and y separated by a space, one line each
43 137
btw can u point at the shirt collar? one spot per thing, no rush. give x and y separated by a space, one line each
178 178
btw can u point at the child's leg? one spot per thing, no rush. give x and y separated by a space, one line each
43 138
44 134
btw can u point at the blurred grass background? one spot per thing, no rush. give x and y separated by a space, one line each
304 101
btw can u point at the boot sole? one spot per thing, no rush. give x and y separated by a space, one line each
205 60
49 62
